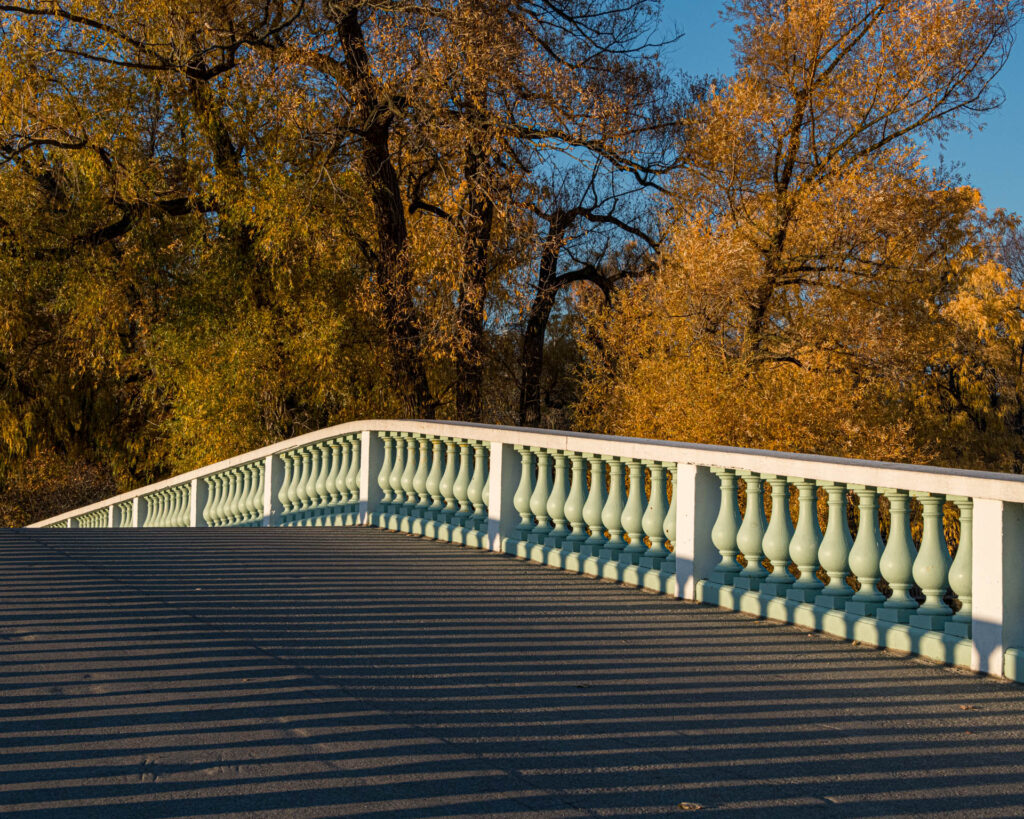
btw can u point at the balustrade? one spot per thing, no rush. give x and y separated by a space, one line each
615 512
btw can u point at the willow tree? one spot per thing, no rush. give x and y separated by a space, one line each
806 301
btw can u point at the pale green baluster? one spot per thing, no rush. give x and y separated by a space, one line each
633 515
322 490
539 498
475 491
312 500
865 555
340 501
476 496
611 514
161 516
151 509
556 502
255 491
931 566
183 505
261 488
333 491
419 485
231 502
961 571
653 521
593 508
524 491
384 478
175 507
419 481
750 536
284 494
158 509
211 499
726 528
897 563
352 481
777 538
243 485
574 504
448 479
461 486
486 493
803 548
302 485
834 552
396 480
668 565
408 476
434 478
245 499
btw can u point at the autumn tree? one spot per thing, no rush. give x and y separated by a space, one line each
809 295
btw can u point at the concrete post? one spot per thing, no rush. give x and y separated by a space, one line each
998 595
273 475
197 503
136 512
502 517
696 510
112 516
371 461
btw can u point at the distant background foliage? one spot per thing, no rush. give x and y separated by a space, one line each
224 224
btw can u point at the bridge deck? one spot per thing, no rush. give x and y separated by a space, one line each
319 672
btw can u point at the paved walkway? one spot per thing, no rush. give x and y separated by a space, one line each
318 672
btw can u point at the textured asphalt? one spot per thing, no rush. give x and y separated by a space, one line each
352 672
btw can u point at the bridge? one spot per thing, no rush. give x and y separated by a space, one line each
403 618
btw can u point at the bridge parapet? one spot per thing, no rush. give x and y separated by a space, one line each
611 508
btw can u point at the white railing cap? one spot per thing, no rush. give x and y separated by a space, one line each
938 480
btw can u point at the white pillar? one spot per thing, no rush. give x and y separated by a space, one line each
197 503
371 458
502 517
136 512
111 512
998 579
273 475
696 509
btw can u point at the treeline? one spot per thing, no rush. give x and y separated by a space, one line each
223 224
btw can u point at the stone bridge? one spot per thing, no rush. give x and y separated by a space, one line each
428 619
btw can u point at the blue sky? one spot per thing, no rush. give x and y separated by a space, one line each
991 159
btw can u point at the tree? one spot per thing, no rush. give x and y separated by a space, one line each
806 299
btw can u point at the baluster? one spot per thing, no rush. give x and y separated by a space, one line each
339 492
447 486
897 563
396 480
633 515
251 481
931 566
521 500
750 536
419 485
834 552
574 504
321 490
803 548
726 528
611 514
235 477
227 509
597 497
286 493
211 499
244 480
668 565
865 555
352 480
539 498
653 521
412 449
384 479
257 498
556 502
485 495
960 572
183 504
434 478
461 488
476 496
333 490
301 488
776 539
